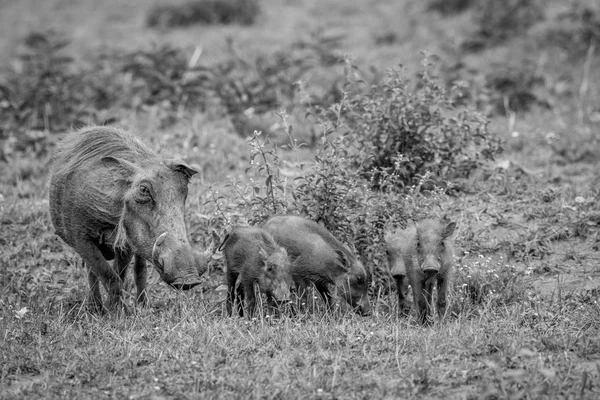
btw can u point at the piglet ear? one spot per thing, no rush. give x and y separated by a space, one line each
283 251
448 229
343 259
263 254
179 166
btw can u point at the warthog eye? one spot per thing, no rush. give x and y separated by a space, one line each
144 195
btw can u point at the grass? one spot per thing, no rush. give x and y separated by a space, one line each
182 347
524 307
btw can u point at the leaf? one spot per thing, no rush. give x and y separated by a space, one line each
548 372
221 288
21 313
527 353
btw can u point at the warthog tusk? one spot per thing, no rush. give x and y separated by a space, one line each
156 244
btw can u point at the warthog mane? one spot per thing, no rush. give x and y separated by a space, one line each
85 150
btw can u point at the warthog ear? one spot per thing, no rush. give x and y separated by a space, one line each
112 162
344 261
448 230
179 166
263 254
283 251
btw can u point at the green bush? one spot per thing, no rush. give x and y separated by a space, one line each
45 89
498 21
161 77
507 87
577 29
447 7
406 132
208 12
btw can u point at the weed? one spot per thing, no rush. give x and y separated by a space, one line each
447 7
45 91
162 77
576 29
268 198
485 282
207 12
498 22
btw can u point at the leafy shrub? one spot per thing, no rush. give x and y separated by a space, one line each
268 199
395 129
514 88
508 87
447 7
44 90
253 87
204 12
162 77
498 21
576 29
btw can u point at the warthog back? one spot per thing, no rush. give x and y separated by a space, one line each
318 257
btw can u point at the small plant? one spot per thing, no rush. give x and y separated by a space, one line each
507 88
484 283
498 22
447 7
268 199
45 90
262 196
577 29
513 89
207 12
162 77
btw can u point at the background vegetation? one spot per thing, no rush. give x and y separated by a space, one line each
356 114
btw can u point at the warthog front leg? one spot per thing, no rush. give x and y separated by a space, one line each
140 274
325 294
442 285
402 287
420 300
94 298
100 269
231 295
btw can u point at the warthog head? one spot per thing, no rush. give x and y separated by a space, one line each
431 244
276 276
152 220
355 285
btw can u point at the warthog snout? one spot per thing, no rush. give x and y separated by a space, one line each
177 263
430 266
364 308
282 293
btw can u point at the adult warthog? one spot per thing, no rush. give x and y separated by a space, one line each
318 257
111 197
